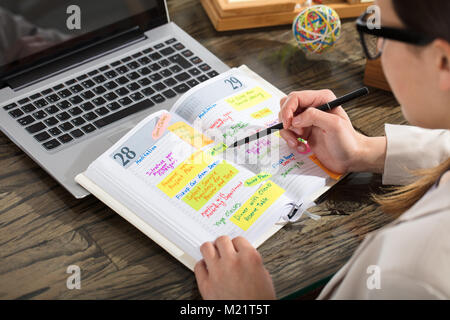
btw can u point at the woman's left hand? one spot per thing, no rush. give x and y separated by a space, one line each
232 270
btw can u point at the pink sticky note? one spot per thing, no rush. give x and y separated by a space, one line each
161 126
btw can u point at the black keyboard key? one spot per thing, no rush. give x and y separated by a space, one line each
26 120
133 75
52 144
155 67
205 67
194 71
55 132
78 121
63 116
213 73
88 128
187 53
42 136
164 63
88 95
170 41
169 93
10 106
64 104
181 61
65 138
137 55
122 91
93 73
182 76
90 116
82 77
175 68
116 63
99 79
102 111
126 59
104 68
46 92
179 46
122 80
133 65
76 88
144 82
58 87
125 101
113 106
158 98
51 121
111 74
167 51
155 77
170 82
202 78
196 60
21 101
148 91
65 93
159 86
142 105
110 96
40 103
77 133
144 60
155 56
75 100
136 96
70 82
99 101
88 83
28 108
52 109
159 46
110 85
75 111
66 126
36 96
99 90
144 71
35 128
192 83
147 51
181 88
165 73
39 114
122 69
133 86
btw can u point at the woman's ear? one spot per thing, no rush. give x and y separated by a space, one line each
443 63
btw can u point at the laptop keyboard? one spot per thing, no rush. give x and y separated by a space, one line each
73 109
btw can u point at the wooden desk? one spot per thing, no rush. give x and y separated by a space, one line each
43 229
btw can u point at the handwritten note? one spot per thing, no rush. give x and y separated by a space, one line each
188 134
332 174
210 185
217 149
256 205
261 113
257 179
184 173
248 98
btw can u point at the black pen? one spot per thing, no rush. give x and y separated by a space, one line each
325 107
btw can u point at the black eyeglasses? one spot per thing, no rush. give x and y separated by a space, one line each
372 39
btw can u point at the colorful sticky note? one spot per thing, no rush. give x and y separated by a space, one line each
332 174
257 179
184 173
261 113
161 126
256 205
210 185
248 98
188 134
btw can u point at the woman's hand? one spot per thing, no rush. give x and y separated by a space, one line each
330 135
232 270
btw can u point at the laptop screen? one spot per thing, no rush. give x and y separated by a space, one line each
32 31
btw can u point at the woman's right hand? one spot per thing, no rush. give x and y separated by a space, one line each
330 135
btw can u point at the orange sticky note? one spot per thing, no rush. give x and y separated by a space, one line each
332 174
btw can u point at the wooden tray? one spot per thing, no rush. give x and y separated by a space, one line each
244 14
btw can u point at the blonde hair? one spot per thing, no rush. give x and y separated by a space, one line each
400 199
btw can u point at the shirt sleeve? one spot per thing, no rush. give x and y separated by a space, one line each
411 148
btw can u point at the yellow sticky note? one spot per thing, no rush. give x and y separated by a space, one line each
332 174
248 98
257 179
190 135
261 113
256 205
210 185
184 173
218 149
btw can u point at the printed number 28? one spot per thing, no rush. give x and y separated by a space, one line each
234 82
125 154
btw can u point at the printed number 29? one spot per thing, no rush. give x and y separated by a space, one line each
234 82
125 154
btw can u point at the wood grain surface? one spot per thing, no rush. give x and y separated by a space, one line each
43 230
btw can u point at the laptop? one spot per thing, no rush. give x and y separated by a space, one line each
75 76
